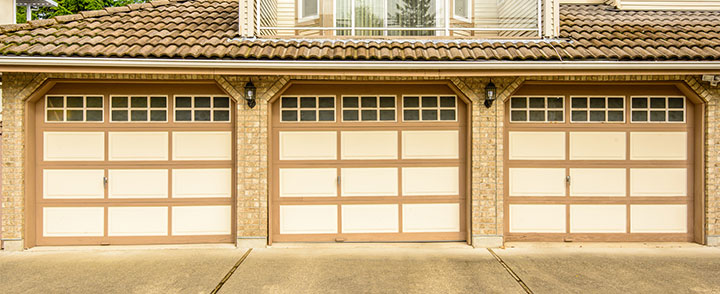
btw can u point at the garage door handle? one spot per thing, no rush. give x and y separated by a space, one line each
567 180
105 181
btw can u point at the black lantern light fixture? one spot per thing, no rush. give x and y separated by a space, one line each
250 94
490 93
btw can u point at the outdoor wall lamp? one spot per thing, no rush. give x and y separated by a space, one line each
250 94
490 91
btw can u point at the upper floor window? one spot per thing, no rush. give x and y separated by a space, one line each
308 9
461 9
537 109
73 108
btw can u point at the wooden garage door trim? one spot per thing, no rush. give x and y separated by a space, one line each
339 89
692 125
37 125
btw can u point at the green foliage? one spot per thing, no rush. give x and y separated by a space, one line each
70 7
415 14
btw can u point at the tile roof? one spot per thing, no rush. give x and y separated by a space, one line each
206 29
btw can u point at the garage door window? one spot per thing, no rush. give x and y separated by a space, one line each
658 109
202 109
597 109
138 108
537 109
429 108
307 109
73 108
368 108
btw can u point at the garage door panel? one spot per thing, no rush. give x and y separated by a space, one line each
370 218
426 181
73 146
308 182
73 184
369 181
202 145
138 221
440 217
308 219
308 145
658 182
658 145
657 218
595 182
430 145
537 181
130 146
137 183
73 221
201 220
365 145
597 145
598 218
202 183
541 218
537 145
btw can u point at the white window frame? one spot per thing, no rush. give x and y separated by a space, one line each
360 109
605 109
420 108
463 18
545 109
300 17
65 108
149 108
193 108
667 109
316 108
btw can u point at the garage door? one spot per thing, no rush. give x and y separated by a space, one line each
615 167
120 168
368 163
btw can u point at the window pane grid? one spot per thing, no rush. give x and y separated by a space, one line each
592 109
658 109
202 108
369 108
74 108
138 108
429 108
307 109
537 109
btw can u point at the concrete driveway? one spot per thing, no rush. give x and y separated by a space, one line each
363 270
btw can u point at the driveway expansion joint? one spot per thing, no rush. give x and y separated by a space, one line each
511 272
231 272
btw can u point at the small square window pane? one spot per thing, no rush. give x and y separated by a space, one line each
429 114
350 102
54 101
94 115
447 114
55 115
202 102
447 102
202 115
615 115
597 115
676 115
579 102
537 102
387 115
138 102
158 102
596 103
430 101
518 115
369 115
555 102
326 102
308 115
119 115
158 115
289 102
307 102
183 115
326 115
518 102
657 115
74 101
119 102
676 103
639 116
350 115
639 103
387 102
411 114
221 102
289 115
183 102
657 103
411 102
579 115
537 115
74 115
368 102
138 115
554 115
615 102
94 102
221 115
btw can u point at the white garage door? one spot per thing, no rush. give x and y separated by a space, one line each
368 164
134 169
